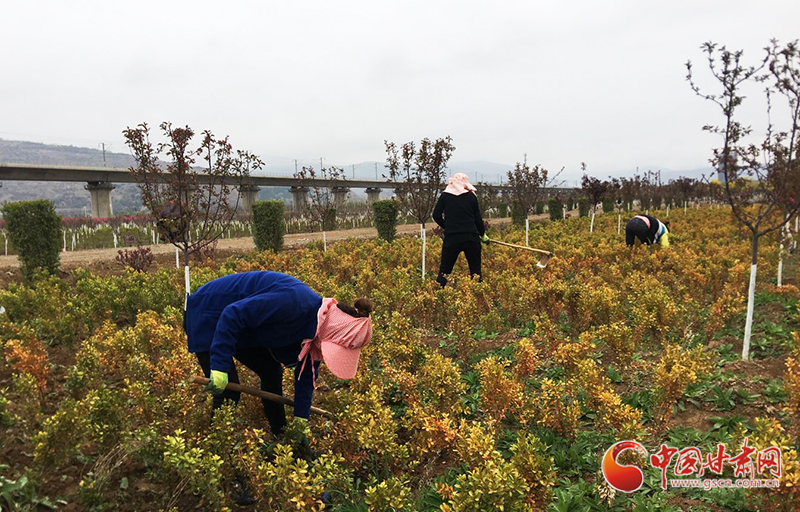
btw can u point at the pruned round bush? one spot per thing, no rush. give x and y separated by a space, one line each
385 219
518 214
554 207
268 225
583 207
34 228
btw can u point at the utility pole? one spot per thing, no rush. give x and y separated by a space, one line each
376 170
354 171
103 145
295 166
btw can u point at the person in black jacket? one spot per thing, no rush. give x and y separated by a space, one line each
457 212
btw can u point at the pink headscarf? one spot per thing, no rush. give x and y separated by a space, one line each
338 340
459 184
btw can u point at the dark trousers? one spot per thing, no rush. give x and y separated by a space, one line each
450 252
636 228
270 371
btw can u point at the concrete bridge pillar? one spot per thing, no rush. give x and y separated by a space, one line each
299 197
100 192
373 194
249 195
339 195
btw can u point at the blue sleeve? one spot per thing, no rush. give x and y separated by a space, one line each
304 390
248 313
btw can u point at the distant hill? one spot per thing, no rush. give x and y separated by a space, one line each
72 198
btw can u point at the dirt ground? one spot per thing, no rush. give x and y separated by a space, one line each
225 247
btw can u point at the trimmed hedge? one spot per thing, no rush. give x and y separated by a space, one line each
517 214
385 219
608 205
268 225
503 210
555 209
583 207
330 220
539 207
34 228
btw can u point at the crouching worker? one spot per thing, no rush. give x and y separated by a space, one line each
649 230
268 320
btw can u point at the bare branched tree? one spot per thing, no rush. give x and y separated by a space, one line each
527 187
756 175
595 190
321 206
419 175
191 204
685 187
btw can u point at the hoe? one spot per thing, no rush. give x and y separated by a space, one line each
544 259
261 394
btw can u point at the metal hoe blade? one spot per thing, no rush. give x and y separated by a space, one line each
544 260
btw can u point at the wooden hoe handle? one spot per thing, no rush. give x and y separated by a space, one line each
259 393
540 251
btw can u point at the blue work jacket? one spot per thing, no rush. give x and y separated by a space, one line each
258 309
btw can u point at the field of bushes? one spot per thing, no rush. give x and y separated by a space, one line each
494 395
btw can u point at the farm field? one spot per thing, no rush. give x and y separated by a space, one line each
498 395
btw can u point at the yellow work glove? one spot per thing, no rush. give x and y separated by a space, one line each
664 240
217 382
485 238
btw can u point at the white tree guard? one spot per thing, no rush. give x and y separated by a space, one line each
751 299
526 231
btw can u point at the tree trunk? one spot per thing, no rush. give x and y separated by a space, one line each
324 241
619 222
591 224
751 299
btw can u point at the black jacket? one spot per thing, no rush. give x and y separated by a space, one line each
459 215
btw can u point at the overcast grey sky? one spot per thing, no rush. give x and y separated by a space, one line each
601 82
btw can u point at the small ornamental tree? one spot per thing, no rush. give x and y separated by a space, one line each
419 176
685 187
385 219
526 189
191 204
756 174
321 206
629 190
488 197
35 230
595 191
268 225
